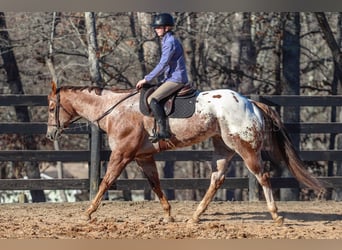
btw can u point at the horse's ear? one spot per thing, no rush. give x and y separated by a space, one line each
53 87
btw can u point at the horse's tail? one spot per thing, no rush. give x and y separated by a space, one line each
278 137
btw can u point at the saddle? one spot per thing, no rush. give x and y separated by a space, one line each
180 104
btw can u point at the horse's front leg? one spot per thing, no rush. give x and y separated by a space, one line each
116 164
149 168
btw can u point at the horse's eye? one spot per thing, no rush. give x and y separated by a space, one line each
51 110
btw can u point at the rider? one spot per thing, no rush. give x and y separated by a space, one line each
172 65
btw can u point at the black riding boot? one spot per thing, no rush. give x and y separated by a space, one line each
159 115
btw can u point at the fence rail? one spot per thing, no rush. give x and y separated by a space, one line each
184 155
84 128
333 155
142 184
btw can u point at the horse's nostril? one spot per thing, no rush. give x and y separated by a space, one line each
52 135
49 136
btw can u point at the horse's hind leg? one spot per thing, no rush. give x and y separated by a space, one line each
221 157
149 168
254 164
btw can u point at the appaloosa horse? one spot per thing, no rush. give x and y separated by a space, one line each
235 124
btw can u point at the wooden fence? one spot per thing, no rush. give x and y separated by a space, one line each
331 155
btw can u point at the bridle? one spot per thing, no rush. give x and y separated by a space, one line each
57 111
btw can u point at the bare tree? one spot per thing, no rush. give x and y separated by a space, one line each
338 191
335 47
148 46
22 113
94 66
331 41
291 82
49 63
96 78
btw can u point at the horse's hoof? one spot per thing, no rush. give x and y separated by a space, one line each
279 221
193 221
170 219
87 217
167 219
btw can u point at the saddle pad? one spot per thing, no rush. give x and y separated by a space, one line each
184 106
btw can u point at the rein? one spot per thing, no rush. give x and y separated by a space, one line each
59 105
114 106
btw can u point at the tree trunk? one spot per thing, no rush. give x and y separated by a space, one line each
189 45
22 113
247 59
291 84
96 78
337 193
247 62
94 66
332 43
50 65
243 62
149 49
334 46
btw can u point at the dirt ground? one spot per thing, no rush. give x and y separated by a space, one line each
143 220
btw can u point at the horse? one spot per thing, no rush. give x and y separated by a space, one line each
236 125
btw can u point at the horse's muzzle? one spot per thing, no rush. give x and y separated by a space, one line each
53 133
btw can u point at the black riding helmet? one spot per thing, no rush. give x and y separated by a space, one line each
164 19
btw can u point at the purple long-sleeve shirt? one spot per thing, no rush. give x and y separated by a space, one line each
172 62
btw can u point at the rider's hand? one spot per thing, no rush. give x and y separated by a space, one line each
140 84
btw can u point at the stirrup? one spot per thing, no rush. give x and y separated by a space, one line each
156 137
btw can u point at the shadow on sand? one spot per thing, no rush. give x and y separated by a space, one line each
299 216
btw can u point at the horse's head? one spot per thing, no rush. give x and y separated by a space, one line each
59 117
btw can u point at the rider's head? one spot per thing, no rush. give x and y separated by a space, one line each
163 23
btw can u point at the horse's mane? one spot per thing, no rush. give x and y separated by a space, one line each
96 89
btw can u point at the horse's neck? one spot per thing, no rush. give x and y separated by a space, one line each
92 106
87 104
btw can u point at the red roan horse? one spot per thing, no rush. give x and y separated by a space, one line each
235 124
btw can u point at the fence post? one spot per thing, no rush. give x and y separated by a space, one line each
253 185
94 172
338 191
